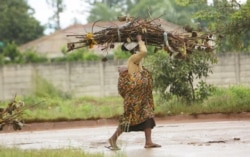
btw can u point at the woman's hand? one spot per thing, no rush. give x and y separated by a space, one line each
138 37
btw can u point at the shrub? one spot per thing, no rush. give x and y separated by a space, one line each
45 89
82 54
119 54
32 57
176 76
11 52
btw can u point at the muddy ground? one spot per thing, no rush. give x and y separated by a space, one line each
36 126
217 135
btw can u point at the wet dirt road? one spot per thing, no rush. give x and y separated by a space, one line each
194 139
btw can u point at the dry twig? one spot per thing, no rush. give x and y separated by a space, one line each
152 33
12 115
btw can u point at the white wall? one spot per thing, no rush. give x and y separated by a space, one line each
100 78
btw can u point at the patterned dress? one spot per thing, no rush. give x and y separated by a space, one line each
138 102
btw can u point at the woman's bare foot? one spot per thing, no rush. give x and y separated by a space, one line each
113 145
152 145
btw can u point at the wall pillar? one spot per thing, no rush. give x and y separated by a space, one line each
237 68
101 70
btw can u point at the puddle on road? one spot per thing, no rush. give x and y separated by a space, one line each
208 143
170 126
26 143
192 139
98 144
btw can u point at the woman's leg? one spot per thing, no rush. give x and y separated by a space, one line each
148 139
114 137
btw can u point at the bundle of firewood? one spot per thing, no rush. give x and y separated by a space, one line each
12 115
152 33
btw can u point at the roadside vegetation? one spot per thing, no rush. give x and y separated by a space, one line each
14 152
233 99
50 104
10 54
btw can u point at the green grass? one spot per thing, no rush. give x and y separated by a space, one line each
48 104
234 99
72 109
15 152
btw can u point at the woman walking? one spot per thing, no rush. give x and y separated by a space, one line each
135 86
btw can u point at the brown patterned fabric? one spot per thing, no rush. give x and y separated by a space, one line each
138 102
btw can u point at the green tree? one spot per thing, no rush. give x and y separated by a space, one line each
175 77
108 10
82 54
174 11
120 6
119 54
101 11
30 56
231 20
11 53
58 7
178 74
17 23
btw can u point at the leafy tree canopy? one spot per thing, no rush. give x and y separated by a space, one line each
171 10
58 7
174 11
17 22
175 77
101 11
230 19
227 18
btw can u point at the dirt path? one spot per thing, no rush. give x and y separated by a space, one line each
200 137
36 126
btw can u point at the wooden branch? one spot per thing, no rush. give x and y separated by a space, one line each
153 33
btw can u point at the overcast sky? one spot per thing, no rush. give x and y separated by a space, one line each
75 9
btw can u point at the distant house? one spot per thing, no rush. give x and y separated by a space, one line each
51 45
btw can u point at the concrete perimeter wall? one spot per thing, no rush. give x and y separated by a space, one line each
100 78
